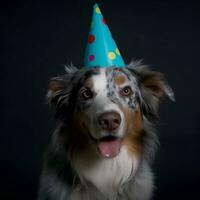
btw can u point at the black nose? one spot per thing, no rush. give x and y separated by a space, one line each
109 121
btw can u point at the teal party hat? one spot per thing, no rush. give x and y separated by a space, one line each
101 48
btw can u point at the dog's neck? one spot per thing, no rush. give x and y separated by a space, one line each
107 175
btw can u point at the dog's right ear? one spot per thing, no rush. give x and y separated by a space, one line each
59 87
153 87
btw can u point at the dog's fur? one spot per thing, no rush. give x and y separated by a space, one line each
74 169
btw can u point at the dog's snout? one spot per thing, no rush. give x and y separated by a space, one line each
109 121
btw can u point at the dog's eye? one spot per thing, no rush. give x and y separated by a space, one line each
126 91
86 94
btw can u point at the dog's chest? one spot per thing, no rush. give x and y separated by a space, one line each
106 175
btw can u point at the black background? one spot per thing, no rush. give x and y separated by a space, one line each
38 37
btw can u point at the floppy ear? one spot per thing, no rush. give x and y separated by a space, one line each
57 86
152 87
60 86
59 90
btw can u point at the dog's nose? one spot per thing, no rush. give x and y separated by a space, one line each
109 121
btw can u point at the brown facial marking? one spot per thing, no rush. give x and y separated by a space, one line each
135 133
89 83
120 80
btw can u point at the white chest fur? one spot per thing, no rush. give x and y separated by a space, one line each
107 175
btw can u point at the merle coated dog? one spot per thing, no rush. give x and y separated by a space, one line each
105 140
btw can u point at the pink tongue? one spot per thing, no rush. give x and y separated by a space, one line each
109 149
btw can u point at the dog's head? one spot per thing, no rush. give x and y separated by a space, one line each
109 105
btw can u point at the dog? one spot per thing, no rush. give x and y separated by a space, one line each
105 141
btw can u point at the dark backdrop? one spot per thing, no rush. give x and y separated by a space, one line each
38 37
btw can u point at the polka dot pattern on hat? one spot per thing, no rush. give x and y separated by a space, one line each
111 55
101 48
91 57
91 39
97 10
117 51
104 21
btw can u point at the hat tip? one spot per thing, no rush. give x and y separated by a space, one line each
101 50
96 5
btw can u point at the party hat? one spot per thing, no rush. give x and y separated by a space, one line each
101 48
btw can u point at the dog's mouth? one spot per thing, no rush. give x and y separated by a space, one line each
109 146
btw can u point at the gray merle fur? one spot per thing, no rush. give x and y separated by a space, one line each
58 178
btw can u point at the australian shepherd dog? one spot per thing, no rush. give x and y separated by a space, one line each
105 140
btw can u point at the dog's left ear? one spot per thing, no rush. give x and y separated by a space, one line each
152 87
56 88
59 92
60 86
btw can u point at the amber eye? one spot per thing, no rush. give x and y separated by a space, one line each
86 94
126 91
